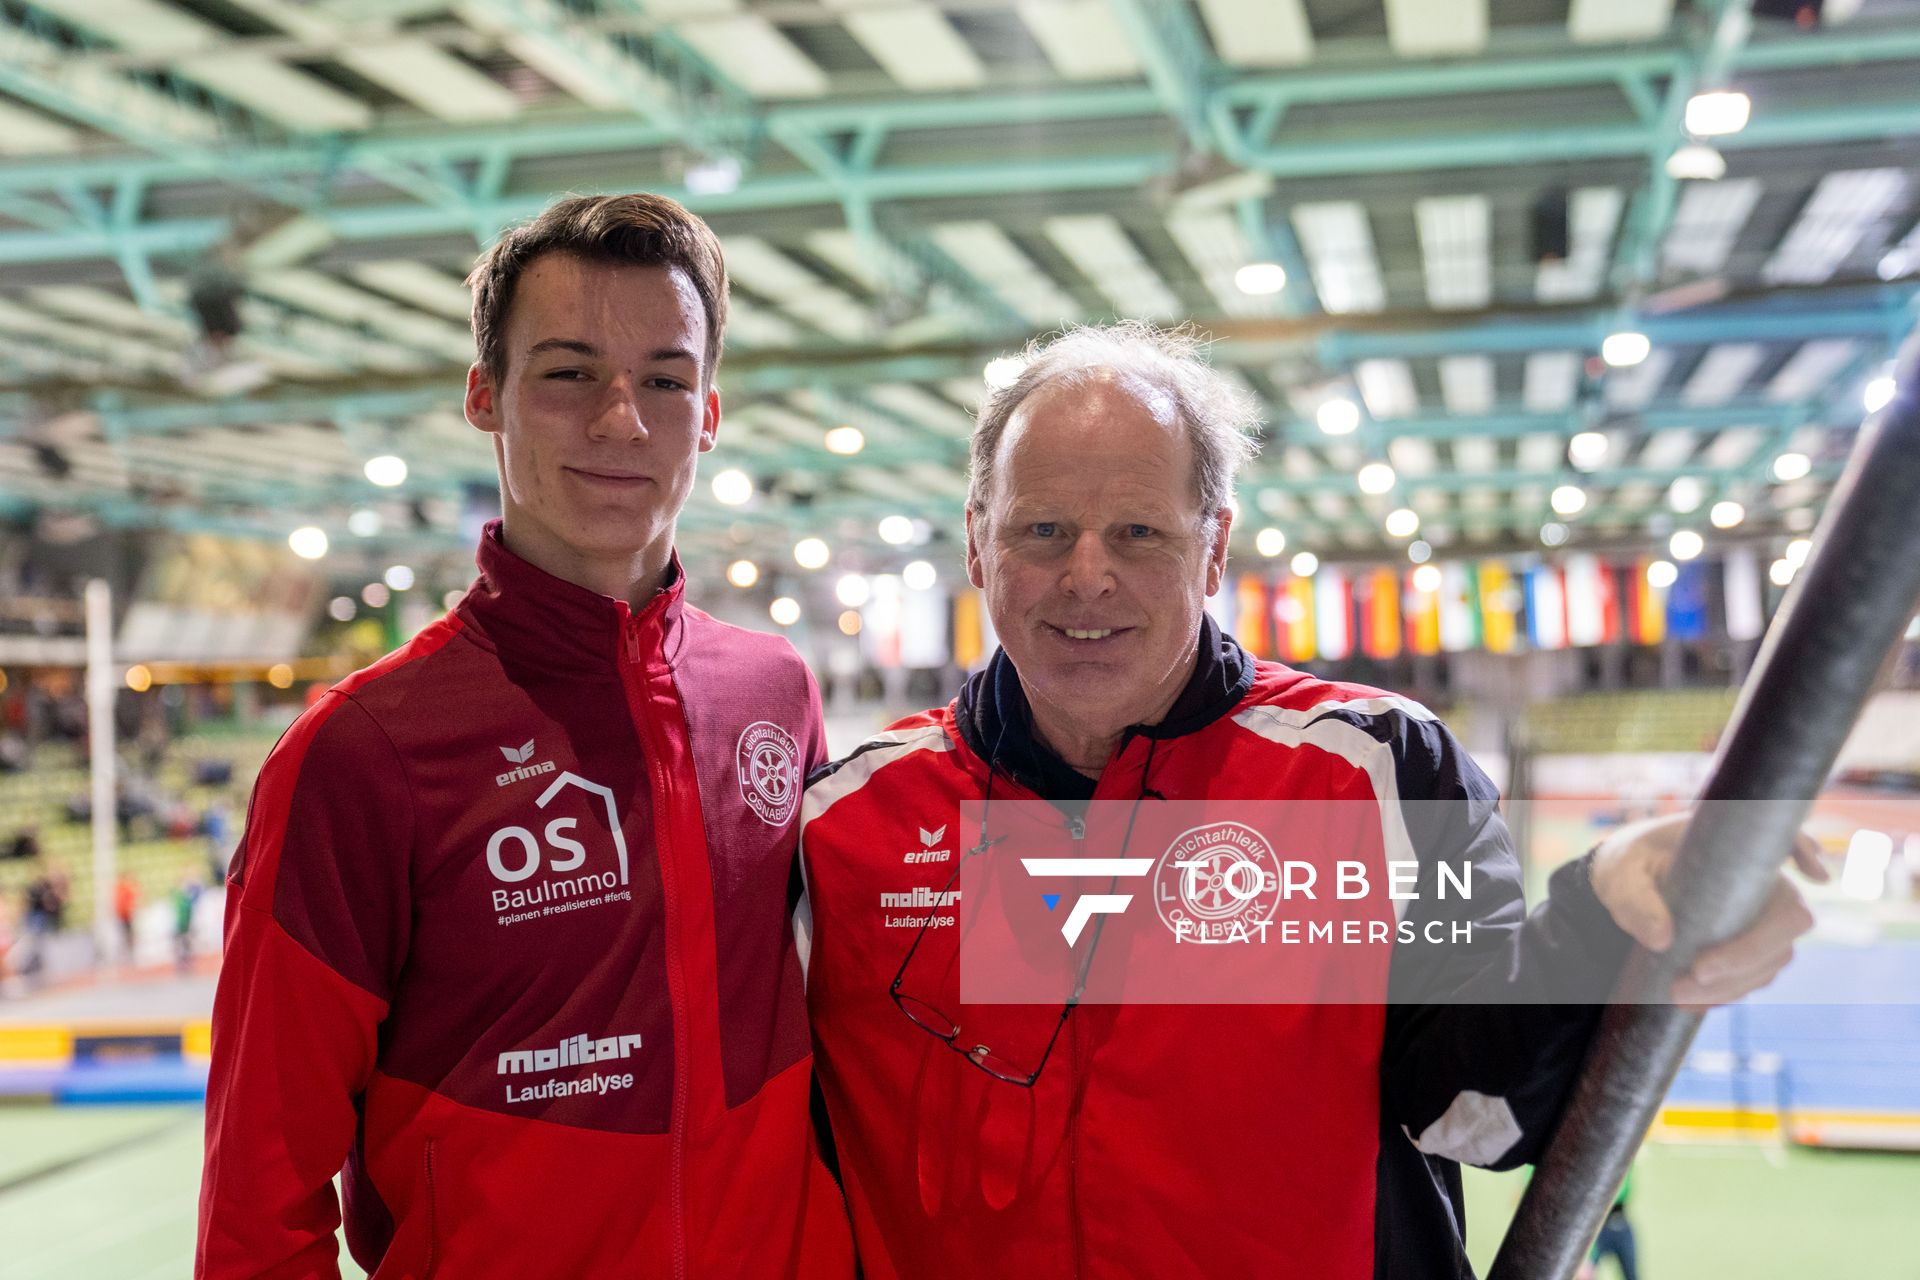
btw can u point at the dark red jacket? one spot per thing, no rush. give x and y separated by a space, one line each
507 947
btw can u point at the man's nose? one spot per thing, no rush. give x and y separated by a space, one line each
1089 572
619 416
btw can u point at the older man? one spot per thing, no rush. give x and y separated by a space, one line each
1173 1140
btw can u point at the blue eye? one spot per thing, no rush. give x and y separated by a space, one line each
1139 531
1045 529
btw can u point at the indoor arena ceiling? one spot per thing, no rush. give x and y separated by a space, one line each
908 189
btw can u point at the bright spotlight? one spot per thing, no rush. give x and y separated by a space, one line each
1554 534
1696 162
1338 416
375 595
852 591
398 577
1426 579
1718 113
364 523
918 575
811 553
846 441
309 542
1588 450
1569 500
1685 544
1306 564
1662 574
1797 551
387 471
785 611
1003 371
1375 477
1270 542
1726 515
1260 278
1403 523
743 573
896 531
1791 466
732 487
1781 572
1686 494
1626 349
1878 395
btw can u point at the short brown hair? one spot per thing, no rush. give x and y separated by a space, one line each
641 229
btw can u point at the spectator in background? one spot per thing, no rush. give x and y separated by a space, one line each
185 899
126 898
1615 1240
46 912
24 845
217 823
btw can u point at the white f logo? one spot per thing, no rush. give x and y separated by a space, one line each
1088 905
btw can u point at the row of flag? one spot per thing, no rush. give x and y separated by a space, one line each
1465 605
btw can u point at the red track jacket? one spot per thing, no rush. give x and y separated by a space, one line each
507 948
1186 1140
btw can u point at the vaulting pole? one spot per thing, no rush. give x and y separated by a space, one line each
1843 615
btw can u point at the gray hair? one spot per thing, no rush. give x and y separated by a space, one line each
1218 414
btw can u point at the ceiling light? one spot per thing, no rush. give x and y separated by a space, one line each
1726 515
1781 573
852 591
845 441
1259 278
1569 500
342 608
1270 542
785 611
1419 552
1375 477
732 487
1791 466
280 676
1686 494
387 471
364 523
1403 523
309 542
811 553
1797 552
1696 162
918 576
375 595
1662 574
1685 544
1625 349
1718 113
1554 534
1426 579
743 573
896 531
398 577
849 622
1588 450
1306 564
1338 416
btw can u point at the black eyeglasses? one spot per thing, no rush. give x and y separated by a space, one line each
941 1025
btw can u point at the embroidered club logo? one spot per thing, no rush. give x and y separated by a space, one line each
769 767
1217 883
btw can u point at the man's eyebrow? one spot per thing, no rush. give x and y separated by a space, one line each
581 347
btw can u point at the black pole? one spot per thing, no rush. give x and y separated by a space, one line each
1844 613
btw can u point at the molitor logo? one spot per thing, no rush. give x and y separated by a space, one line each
574 1051
553 871
769 766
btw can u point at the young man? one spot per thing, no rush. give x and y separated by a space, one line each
1115 1140
506 941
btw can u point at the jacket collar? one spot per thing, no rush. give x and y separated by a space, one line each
996 723
558 627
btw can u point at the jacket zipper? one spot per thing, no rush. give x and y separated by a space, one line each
633 670
1077 828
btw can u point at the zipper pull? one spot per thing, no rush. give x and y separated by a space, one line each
630 638
1077 828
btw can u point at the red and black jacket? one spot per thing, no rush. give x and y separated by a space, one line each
508 949
1188 1140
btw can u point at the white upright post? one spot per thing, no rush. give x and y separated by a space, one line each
103 685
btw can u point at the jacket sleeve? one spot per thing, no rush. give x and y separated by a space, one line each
316 931
1485 1033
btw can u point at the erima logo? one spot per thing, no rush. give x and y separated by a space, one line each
1088 905
520 755
572 1052
926 852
